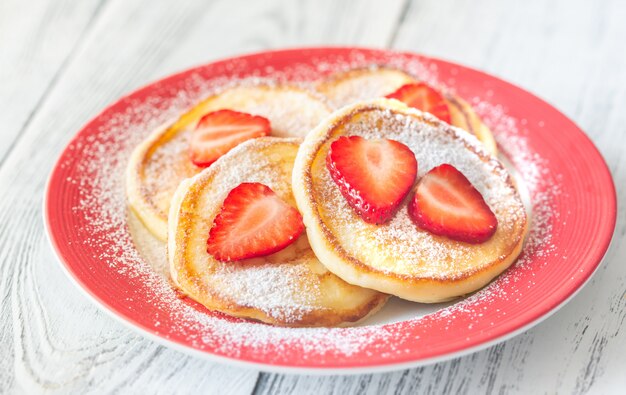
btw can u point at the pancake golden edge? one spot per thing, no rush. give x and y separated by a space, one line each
149 191
348 87
318 197
288 288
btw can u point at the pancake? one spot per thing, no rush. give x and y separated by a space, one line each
348 87
161 161
351 86
288 288
398 257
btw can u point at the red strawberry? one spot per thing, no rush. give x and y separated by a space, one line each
220 131
373 175
424 98
253 222
447 204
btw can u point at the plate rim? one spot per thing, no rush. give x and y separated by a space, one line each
314 371
321 370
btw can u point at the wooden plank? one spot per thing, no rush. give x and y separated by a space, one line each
36 41
570 53
52 339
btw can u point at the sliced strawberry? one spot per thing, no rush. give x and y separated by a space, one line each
220 131
424 98
373 175
253 222
447 204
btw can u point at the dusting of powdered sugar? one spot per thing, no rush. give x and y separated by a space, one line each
277 289
99 177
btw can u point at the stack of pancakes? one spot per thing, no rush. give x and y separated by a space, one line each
341 269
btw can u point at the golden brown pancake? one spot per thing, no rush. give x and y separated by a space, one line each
398 257
162 161
348 87
288 288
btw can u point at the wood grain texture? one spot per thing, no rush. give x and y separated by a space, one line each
36 42
52 339
569 53
61 62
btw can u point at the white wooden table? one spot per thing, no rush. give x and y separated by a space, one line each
62 61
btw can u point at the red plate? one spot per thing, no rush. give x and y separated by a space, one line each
570 188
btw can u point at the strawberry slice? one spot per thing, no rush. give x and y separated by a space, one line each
220 131
447 204
373 175
253 222
424 98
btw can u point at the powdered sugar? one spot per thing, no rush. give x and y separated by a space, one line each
277 290
99 177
